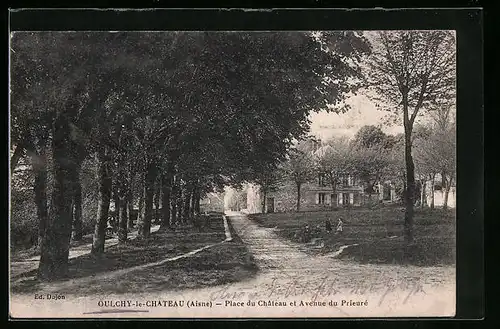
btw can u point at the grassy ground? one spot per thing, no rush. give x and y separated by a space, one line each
18 254
377 232
220 264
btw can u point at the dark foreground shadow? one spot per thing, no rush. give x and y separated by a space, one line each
221 264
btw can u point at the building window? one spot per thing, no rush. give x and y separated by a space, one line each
322 179
333 199
321 198
345 198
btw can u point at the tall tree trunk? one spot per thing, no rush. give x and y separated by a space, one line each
333 183
186 204
130 197
145 225
142 198
334 190
122 206
299 185
130 204
77 208
404 189
192 202
40 191
447 192
116 201
410 182
55 246
122 217
140 214
432 191
423 194
173 202
104 198
179 204
263 202
197 203
166 179
157 198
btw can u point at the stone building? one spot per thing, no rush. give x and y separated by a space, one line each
319 194
315 196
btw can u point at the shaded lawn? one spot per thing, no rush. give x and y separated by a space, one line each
224 263
18 254
378 233
137 252
221 264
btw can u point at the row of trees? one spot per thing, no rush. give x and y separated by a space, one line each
163 117
435 154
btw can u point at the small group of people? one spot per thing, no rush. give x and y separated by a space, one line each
307 233
329 227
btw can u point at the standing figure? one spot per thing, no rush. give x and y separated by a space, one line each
328 225
306 234
340 226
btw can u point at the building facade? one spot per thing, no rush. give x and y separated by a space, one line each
317 195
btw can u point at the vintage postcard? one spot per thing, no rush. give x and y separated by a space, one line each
232 174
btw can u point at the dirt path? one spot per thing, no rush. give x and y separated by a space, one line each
280 258
288 275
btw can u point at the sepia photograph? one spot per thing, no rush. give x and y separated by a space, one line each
241 174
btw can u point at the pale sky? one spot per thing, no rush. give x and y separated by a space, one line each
363 112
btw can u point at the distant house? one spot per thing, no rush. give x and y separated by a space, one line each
212 202
318 195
